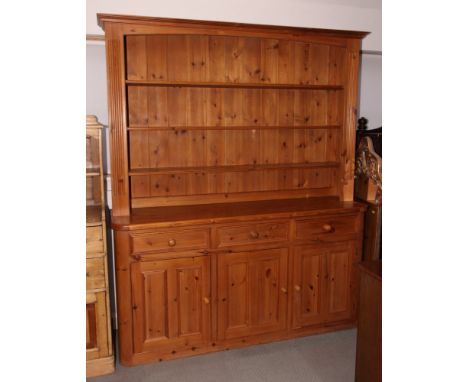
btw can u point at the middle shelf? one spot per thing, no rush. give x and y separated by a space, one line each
231 168
240 85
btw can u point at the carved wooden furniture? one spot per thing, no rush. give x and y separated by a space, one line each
368 171
372 242
99 354
375 135
232 150
369 335
368 188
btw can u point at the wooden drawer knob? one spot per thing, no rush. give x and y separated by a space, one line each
284 290
206 300
254 234
171 242
297 287
327 228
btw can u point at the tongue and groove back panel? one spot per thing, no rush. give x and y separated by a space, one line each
189 140
220 116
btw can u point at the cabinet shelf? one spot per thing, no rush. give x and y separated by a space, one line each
93 171
223 128
94 216
232 85
233 168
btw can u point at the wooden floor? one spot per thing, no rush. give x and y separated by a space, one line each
322 358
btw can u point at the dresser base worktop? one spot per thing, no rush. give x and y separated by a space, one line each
223 212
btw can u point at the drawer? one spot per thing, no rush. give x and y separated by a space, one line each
94 243
252 233
170 240
95 273
326 225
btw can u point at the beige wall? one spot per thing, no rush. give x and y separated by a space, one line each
96 81
370 97
364 15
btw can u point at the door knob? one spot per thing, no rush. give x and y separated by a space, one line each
328 228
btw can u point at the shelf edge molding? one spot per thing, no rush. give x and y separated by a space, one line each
232 85
234 168
222 128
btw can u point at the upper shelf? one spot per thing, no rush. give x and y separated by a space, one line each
232 85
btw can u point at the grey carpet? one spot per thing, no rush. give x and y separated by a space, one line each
321 358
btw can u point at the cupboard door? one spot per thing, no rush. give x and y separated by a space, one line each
252 292
96 326
309 286
322 283
339 268
171 303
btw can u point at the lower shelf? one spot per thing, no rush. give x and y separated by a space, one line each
234 197
100 366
